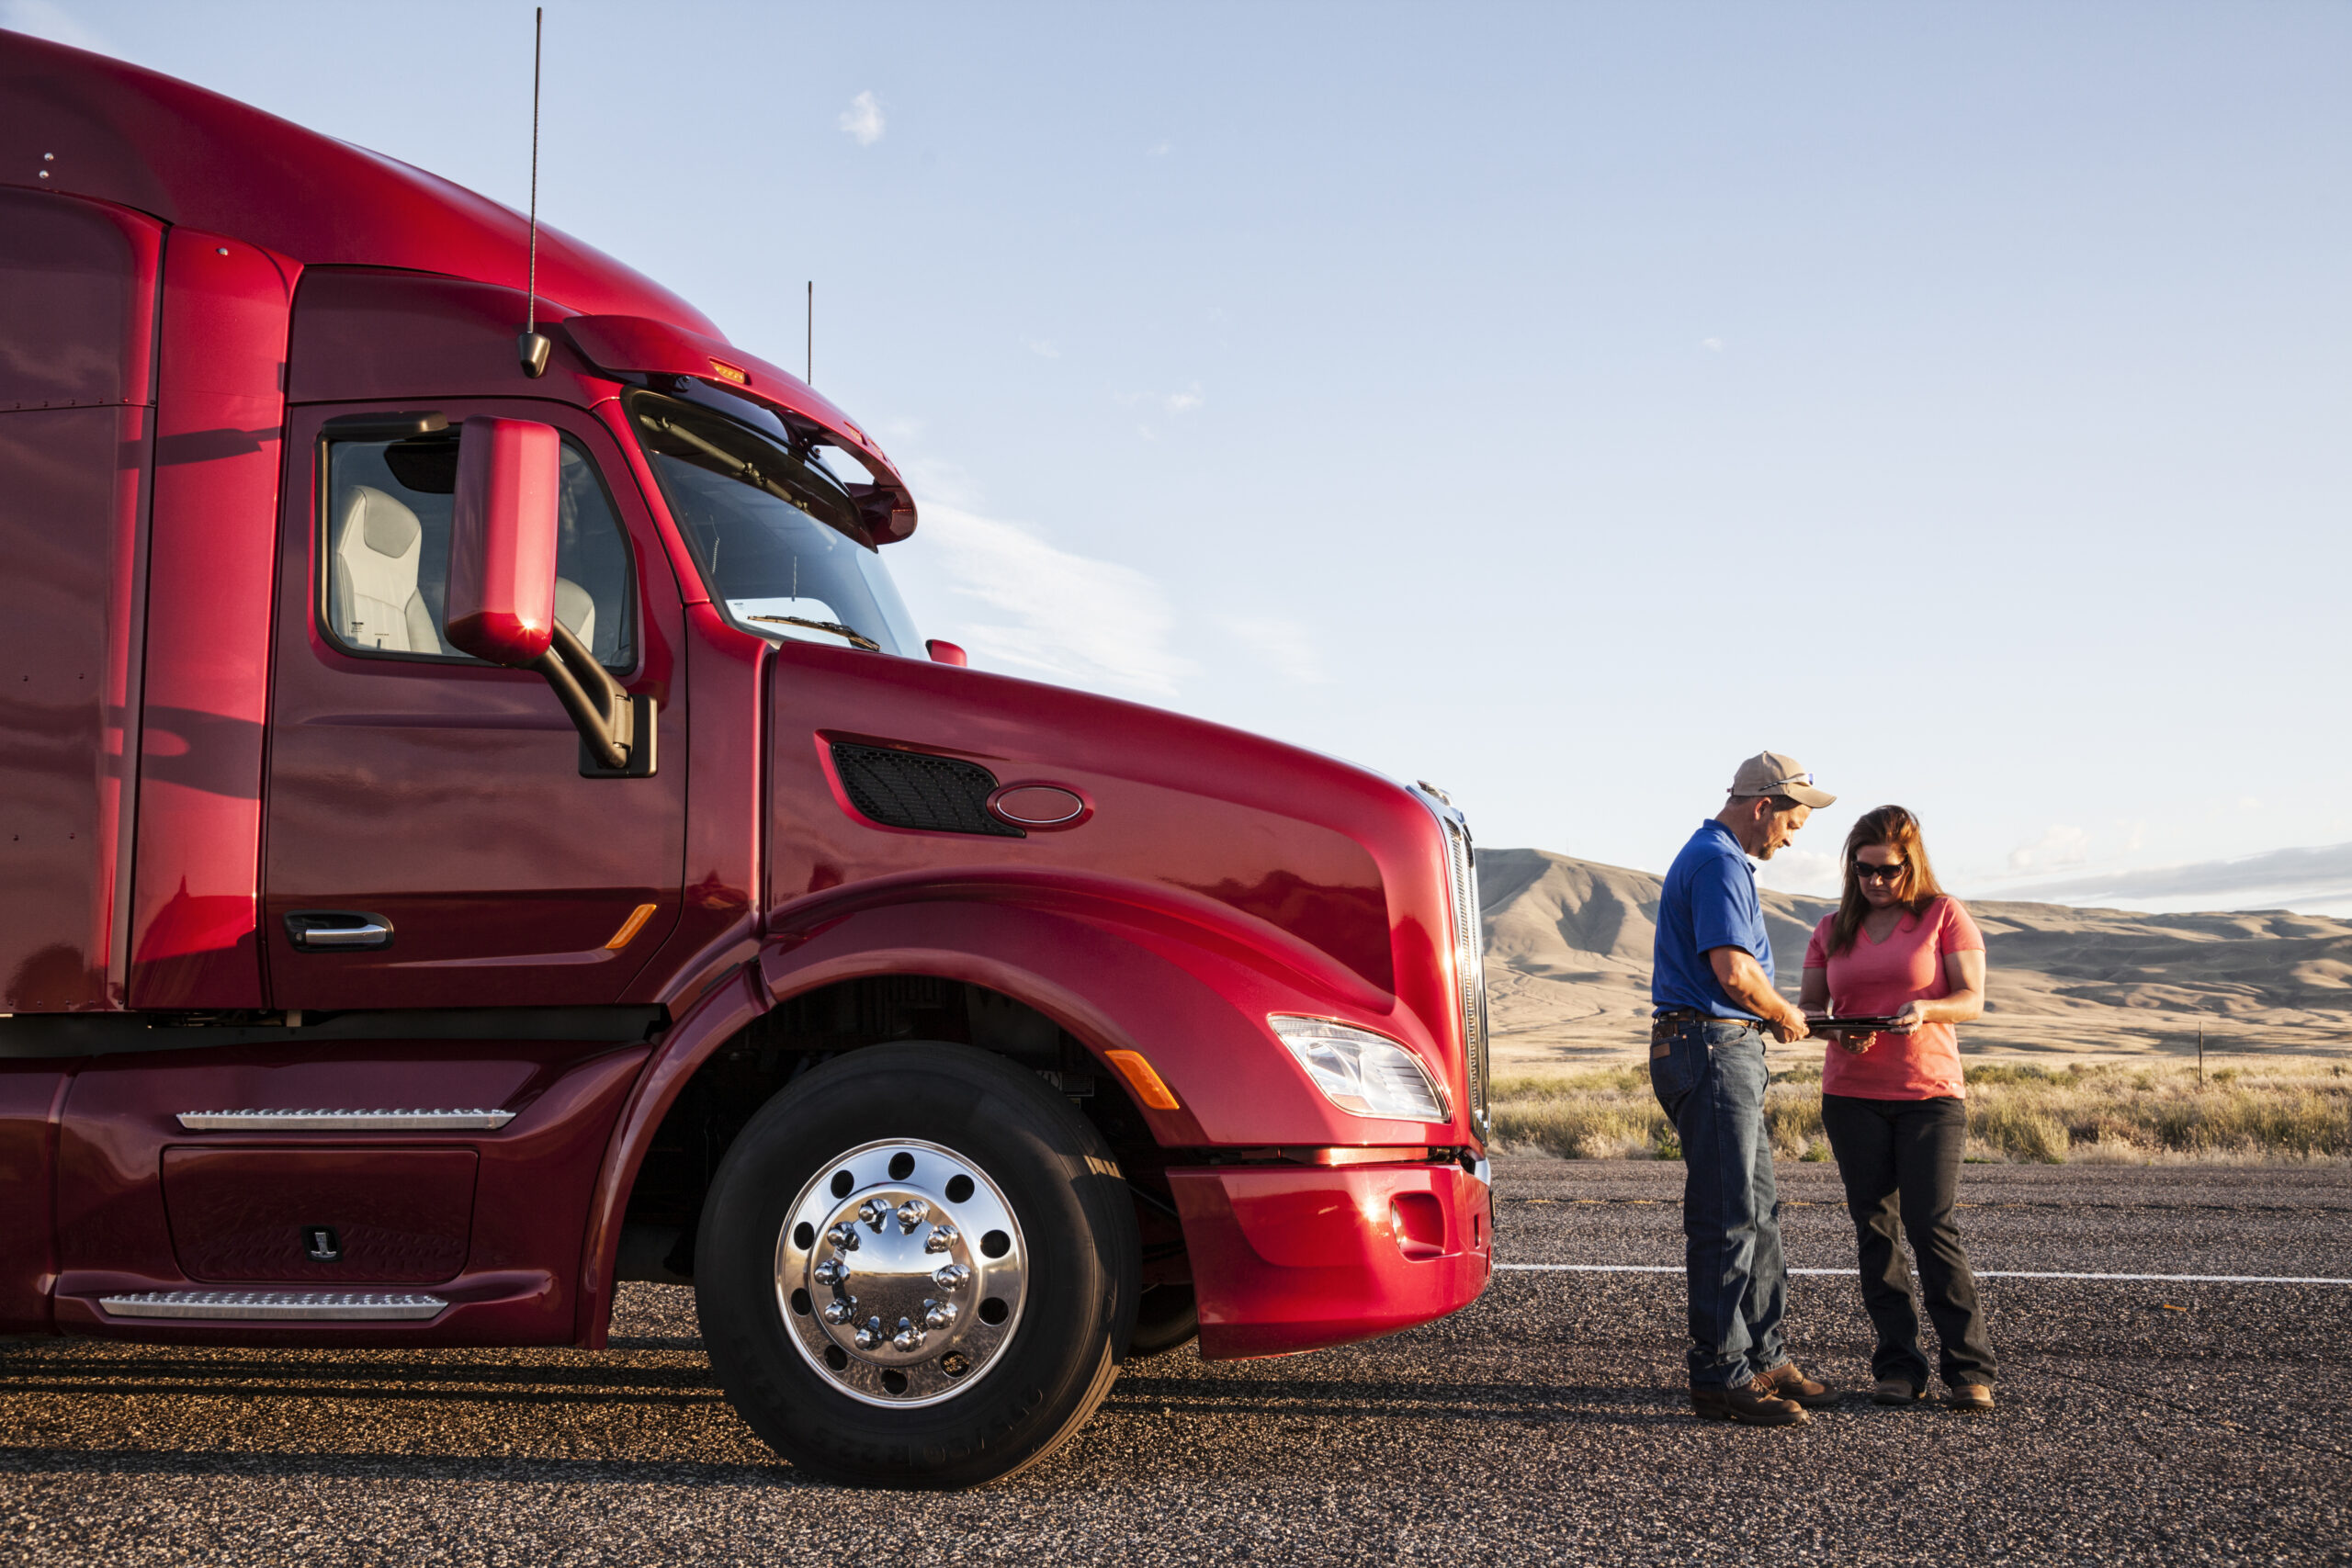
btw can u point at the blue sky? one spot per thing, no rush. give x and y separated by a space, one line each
1558 402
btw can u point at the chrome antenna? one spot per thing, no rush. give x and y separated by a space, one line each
533 345
809 366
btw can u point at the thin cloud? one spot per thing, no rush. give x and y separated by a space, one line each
2299 875
1046 610
1043 347
1285 647
1809 872
46 18
863 119
2058 846
1712 344
1184 401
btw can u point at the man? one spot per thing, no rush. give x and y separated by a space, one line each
1712 988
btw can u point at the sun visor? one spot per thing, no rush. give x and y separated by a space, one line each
645 346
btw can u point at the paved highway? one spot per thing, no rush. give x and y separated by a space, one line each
2140 1419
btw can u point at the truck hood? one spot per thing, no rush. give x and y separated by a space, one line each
885 767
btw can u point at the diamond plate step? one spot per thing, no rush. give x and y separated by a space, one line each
312 1306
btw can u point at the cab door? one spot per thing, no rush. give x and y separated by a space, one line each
432 839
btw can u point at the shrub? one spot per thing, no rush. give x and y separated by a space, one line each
2018 1110
2017 1131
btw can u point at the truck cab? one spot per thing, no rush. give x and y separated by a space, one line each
481 830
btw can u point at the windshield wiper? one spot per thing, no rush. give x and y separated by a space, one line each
835 627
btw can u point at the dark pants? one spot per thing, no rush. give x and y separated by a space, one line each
1708 1075
1905 1153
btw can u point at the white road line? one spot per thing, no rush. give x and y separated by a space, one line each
1981 1273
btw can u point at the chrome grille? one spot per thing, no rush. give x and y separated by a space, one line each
1469 948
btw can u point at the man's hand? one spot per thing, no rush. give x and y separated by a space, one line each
1790 1025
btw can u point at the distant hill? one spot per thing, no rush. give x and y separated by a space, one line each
1568 946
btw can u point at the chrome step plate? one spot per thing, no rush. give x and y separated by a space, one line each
344 1121
308 1306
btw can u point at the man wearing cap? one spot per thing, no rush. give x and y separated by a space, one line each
1712 988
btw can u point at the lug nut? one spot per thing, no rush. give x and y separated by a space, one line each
874 1211
943 1238
911 1214
832 1272
909 1337
950 1276
938 1314
843 1237
869 1334
839 1312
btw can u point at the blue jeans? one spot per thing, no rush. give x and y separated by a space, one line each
1709 1074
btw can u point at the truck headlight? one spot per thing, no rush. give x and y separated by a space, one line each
1360 1072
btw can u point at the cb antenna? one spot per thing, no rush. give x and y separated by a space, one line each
533 344
809 367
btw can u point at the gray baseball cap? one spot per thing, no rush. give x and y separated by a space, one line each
1775 772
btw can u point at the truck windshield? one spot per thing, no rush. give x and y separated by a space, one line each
773 521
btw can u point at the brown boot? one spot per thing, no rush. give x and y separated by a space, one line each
1788 1381
1972 1397
1753 1403
1896 1392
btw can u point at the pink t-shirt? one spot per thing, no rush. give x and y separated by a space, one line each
1876 978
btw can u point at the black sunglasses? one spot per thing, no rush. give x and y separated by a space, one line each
1864 870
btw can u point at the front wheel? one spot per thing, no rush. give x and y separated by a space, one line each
915 1267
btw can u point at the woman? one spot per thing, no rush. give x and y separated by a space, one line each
1899 946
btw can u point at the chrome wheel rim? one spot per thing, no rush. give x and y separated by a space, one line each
900 1273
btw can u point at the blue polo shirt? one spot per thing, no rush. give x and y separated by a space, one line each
1709 901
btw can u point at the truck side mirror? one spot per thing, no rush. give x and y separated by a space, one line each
503 540
502 590
942 651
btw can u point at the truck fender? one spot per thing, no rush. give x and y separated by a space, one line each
1184 981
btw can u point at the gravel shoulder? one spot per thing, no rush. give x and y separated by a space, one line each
1545 1423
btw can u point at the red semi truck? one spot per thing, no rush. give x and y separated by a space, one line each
478 831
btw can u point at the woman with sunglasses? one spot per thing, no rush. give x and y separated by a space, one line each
1898 946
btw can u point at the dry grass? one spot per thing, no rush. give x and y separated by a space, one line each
2019 1112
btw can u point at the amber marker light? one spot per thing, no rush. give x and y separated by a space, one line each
629 927
1142 1080
735 373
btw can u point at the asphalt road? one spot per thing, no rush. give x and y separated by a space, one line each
2186 1423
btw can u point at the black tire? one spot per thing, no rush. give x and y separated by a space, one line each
1168 1318
1077 1243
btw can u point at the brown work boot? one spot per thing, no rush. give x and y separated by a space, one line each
1788 1381
1896 1390
1972 1397
1753 1403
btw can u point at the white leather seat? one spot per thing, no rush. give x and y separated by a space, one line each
374 601
577 610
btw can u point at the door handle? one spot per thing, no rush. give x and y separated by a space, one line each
336 931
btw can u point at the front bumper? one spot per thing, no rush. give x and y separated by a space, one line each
1295 1257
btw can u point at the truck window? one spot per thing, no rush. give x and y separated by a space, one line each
774 518
386 531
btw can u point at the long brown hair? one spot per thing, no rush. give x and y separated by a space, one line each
1894 828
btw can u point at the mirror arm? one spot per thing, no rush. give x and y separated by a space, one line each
604 719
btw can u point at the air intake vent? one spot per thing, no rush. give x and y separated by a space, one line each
914 789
